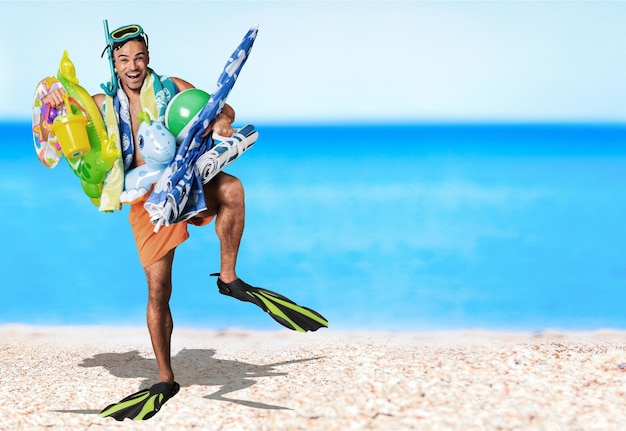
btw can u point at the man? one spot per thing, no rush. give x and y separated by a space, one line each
224 197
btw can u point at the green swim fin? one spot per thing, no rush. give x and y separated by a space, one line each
143 404
280 308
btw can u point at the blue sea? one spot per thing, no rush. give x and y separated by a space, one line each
378 227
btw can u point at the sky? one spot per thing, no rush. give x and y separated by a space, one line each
349 61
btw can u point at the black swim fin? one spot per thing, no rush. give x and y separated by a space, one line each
280 308
142 405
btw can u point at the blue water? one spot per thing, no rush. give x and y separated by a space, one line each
378 227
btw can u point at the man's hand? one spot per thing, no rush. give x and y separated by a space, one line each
55 99
222 125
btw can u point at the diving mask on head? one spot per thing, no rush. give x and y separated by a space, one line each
114 40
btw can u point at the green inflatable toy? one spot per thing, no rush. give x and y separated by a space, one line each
183 110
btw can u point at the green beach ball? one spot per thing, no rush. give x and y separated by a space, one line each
182 110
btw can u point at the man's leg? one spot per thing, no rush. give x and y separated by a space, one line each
158 315
224 197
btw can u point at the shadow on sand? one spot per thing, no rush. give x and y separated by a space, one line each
192 367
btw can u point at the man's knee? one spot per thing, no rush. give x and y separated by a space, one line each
159 294
229 189
233 189
158 276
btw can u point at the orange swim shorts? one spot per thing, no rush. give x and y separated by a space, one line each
153 246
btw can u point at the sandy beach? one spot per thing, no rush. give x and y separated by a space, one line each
59 378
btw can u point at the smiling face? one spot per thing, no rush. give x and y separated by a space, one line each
131 64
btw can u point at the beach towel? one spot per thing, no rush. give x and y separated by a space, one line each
178 194
156 92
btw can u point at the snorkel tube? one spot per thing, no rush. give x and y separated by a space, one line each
110 88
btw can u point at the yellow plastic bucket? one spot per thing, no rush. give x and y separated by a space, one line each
71 131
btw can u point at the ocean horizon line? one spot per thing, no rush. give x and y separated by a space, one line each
365 122
528 139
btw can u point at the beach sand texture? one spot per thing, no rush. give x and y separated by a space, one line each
59 378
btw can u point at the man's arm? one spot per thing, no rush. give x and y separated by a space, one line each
99 101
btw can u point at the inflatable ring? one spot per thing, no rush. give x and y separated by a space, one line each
90 165
48 151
